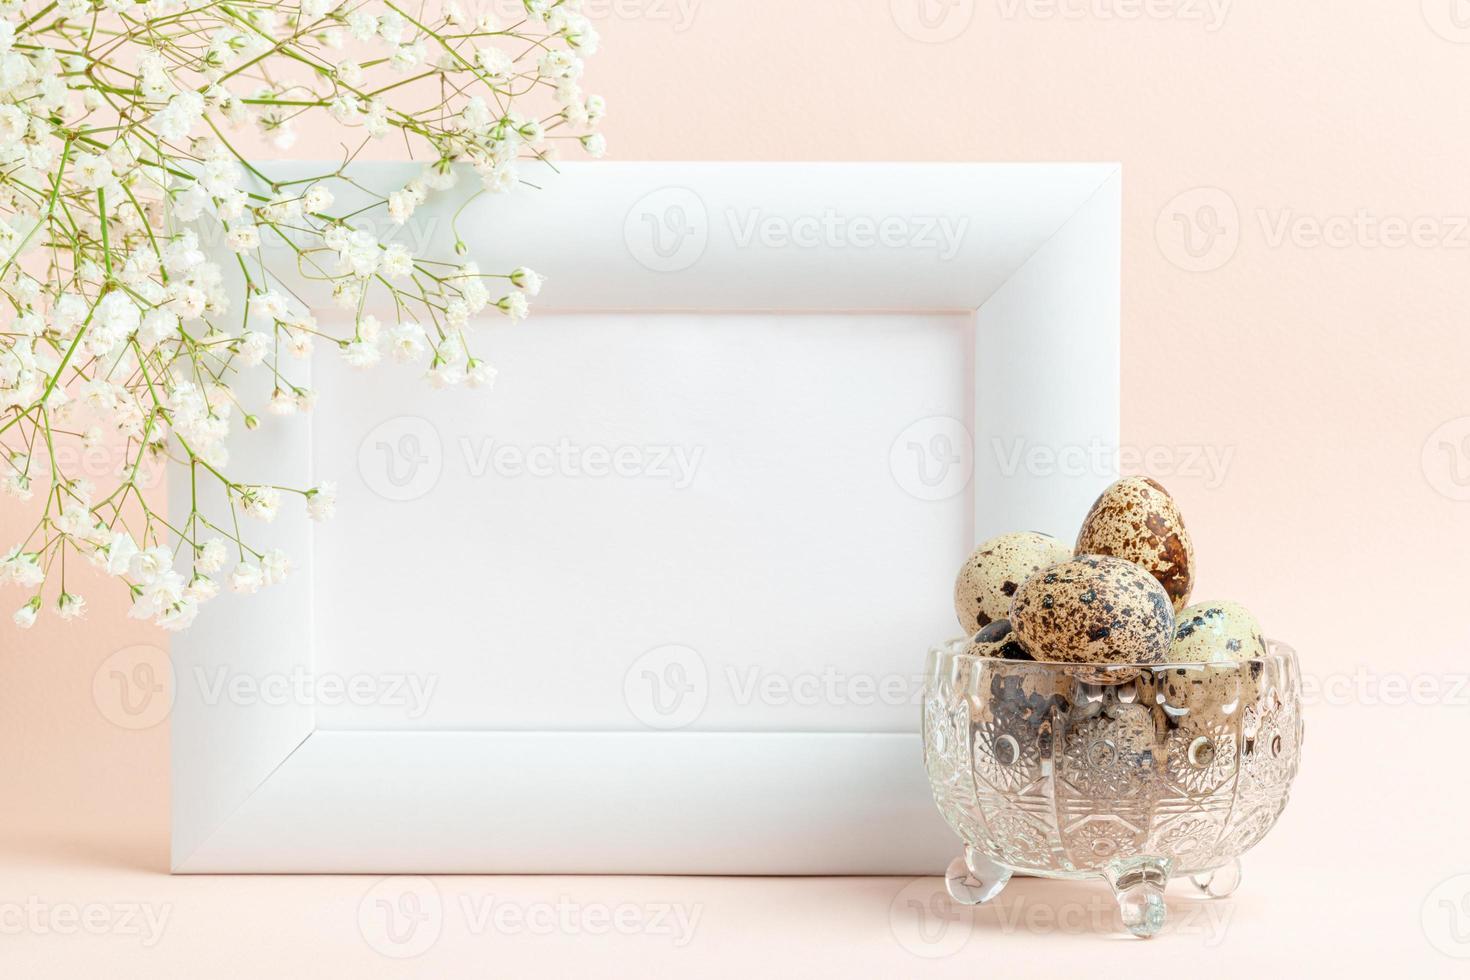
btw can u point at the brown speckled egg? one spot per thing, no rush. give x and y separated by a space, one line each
1094 609
990 576
1136 519
998 640
1216 632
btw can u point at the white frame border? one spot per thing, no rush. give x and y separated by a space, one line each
260 789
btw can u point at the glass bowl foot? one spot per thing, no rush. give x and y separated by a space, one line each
1220 883
1138 885
974 878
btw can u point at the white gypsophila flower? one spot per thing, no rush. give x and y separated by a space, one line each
150 563
120 552
243 238
369 328
211 556
179 615
154 597
22 569
201 589
275 565
283 402
407 342
391 26
407 57
397 262
261 503
299 345
71 606
253 347
158 325
480 374
443 375
318 197
92 171
247 578
496 64
400 206
527 281
499 179
179 117
559 64
321 501
362 24
14 124
147 311
346 108
514 306
362 354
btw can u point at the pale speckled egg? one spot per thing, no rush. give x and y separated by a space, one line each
996 569
1216 632
1204 691
998 640
1094 609
1136 519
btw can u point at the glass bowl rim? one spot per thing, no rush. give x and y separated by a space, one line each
1276 652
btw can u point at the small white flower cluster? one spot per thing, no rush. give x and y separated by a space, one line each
120 340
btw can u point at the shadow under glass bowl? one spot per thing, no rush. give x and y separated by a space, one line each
1130 772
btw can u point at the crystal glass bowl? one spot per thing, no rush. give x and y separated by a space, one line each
1133 773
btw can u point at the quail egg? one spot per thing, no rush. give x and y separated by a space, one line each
992 574
1137 520
1094 609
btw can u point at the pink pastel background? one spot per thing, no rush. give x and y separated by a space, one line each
1330 373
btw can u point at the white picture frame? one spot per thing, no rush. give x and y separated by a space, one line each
1008 275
